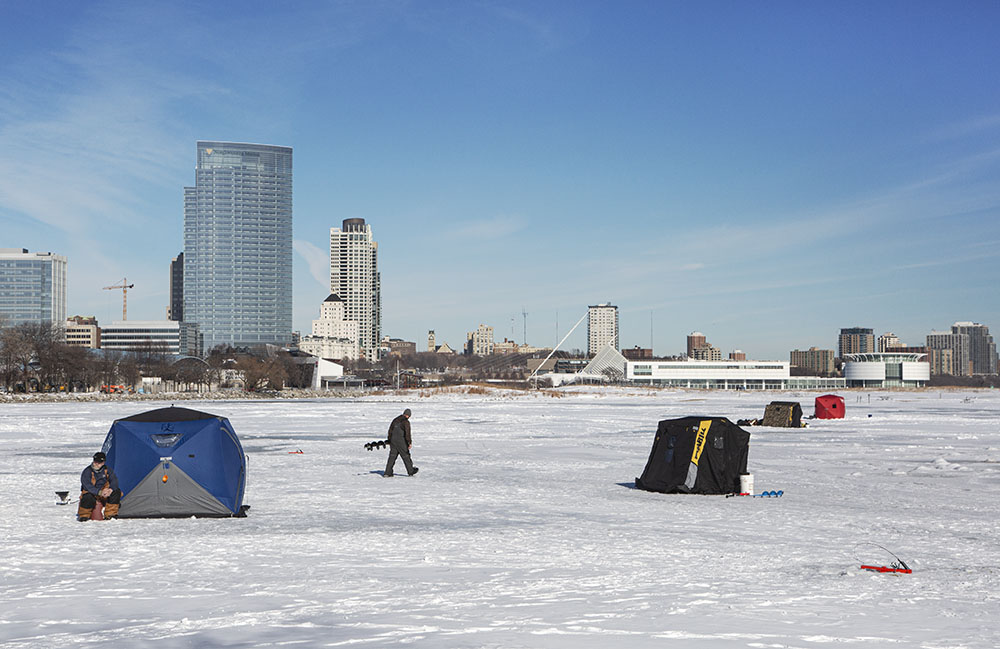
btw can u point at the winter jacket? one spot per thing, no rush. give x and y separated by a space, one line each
93 481
401 423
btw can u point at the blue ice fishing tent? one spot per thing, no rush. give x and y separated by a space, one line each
177 462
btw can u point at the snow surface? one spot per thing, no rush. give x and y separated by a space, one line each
523 529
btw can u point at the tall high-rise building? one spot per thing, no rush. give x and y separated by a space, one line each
602 327
982 349
887 341
699 349
855 340
958 346
354 277
480 342
238 244
32 287
817 361
695 341
175 310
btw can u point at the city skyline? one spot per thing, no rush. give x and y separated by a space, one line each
767 176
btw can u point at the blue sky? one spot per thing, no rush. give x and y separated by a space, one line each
764 172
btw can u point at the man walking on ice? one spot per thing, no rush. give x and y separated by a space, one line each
399 444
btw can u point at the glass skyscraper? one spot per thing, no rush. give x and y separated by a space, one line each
32 287
238 244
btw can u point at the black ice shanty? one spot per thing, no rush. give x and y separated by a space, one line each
697 455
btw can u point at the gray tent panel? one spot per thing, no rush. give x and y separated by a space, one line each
178 495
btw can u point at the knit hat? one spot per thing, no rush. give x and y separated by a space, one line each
407 412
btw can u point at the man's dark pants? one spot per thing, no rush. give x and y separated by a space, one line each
397 447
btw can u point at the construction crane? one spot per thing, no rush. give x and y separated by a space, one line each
124 286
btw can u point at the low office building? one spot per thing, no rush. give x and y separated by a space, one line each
886 370
82 331
724 375
638 353
398 346
155 336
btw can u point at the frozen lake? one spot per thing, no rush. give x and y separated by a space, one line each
523 529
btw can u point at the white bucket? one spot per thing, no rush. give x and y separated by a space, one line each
746 483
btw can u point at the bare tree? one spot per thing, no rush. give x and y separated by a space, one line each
188 372
260 373
15 357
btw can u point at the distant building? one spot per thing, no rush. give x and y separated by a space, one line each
885 370
332 336
399 347
725 375
637 353
887 341
557 365
602 327
175 310
327 374
153 336
431 346
819 361
443 348
237 279
855 340
737 355
982 349
505 348
940 361
355 277
695 340
699 349
958 345
707 353
480 341
82 331
32 287
607 365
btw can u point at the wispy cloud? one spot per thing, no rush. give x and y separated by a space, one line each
496 227
965 128
948 261
95 155
316 259
86 155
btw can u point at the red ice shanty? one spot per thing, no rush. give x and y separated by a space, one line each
829 406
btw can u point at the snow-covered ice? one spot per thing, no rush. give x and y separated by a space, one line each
523 529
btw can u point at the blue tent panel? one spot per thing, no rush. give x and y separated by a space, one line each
203 446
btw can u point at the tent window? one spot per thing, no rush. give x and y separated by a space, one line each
167 439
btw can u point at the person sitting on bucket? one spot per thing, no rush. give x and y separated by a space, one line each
99 484
399 444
